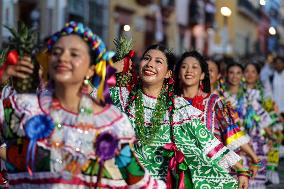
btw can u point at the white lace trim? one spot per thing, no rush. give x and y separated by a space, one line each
229 160
210 146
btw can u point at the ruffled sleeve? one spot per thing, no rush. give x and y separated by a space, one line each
225 127
210 146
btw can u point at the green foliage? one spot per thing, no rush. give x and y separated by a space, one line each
23 39
122 46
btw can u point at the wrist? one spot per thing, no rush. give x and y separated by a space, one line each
257 163
244 172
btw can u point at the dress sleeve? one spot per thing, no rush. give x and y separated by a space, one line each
212 147
131 169
230 132
190 120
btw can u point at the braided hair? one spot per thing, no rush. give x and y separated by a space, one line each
168 83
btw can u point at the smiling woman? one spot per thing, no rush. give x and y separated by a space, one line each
171 136
61 137
252 117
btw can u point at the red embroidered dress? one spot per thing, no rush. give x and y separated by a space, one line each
219 120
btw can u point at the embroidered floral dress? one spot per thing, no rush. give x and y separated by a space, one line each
273 153
253 119
205 157
219 120
68 156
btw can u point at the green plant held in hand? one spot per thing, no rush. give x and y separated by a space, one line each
122 47
24 40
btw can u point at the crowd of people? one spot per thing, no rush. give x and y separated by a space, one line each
188 122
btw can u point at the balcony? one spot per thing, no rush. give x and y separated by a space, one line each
249 10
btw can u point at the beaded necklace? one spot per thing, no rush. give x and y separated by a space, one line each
146 134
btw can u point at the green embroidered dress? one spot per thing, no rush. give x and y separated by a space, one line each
206 159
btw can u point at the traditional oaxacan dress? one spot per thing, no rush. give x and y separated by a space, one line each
219 120
5 92
204 158
273 154
253 118
71 149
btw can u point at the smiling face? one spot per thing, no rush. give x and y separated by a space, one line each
235 75
251 74
190 73
153 68
213 72
70 60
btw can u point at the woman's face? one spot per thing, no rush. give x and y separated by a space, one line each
235 75
213 72
190 73
153 68
251 74
70 60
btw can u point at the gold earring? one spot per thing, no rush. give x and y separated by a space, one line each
86 80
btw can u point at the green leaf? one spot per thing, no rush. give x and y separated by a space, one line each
122 46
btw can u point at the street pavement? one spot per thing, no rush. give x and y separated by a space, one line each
281 173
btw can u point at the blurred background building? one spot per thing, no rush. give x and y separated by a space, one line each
234 27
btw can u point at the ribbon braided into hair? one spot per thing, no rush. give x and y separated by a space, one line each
104 70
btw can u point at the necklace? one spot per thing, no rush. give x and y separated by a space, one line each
147 134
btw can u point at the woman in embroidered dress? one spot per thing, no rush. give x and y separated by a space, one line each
61 138
173 144
21 70
193 83
252 117
251 73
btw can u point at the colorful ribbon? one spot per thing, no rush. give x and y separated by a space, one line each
176 163
36 128
126 61
105 146
103 77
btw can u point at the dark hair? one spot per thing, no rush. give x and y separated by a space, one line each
214 61
204 68
169 55
233 63
255 65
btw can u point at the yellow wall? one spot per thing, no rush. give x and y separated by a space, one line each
238 26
